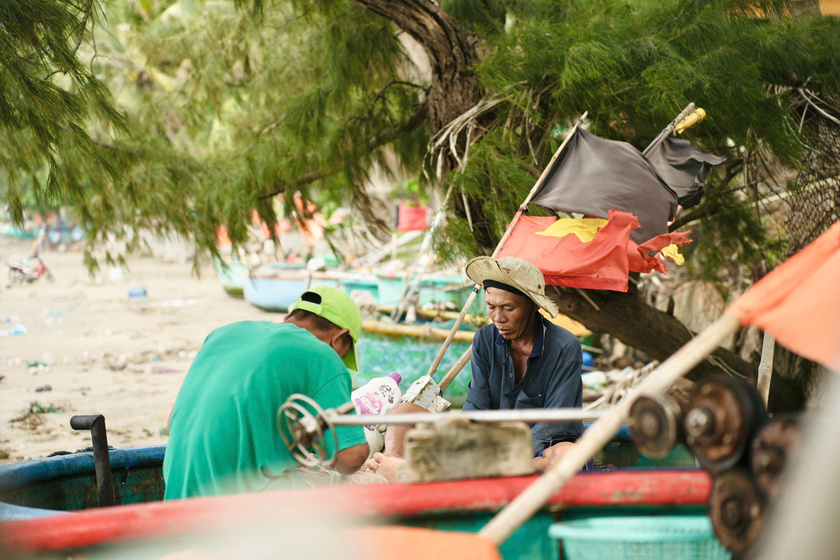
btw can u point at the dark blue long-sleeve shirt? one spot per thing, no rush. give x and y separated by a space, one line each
551 379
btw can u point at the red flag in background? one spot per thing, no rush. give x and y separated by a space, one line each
603 263
799 302
412 218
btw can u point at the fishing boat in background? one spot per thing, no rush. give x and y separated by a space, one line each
442 291
232 275
277 286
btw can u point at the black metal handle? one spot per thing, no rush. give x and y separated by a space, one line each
101 459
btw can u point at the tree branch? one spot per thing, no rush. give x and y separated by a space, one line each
622 314
307 179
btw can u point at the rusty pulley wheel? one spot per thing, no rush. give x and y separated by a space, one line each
774 444
736 509
722 415
303 426
656 425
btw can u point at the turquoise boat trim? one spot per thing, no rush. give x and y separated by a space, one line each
30 489
16 475
232 277
368 285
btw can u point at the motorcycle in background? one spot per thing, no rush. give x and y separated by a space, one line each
27 270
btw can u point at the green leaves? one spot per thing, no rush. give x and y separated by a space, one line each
185 115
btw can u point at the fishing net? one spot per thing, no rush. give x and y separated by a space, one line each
815 194
379 355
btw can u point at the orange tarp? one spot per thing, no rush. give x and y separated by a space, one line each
222 239
799 302
309 221
410 543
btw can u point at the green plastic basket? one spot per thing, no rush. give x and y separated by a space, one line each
648 537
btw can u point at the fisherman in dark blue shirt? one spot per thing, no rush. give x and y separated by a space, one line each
522 360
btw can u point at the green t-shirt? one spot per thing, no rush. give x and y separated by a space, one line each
224 436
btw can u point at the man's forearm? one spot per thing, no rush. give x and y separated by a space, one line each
348 461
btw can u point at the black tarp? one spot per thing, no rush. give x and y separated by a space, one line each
684 168
594 175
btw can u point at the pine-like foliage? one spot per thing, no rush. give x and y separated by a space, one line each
634 65
223 111
296 98
47 96
214 107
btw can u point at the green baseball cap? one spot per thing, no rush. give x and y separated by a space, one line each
336 307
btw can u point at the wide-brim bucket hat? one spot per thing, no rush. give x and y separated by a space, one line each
515 272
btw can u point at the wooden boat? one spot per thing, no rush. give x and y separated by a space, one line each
232 275
277 286
45 487
36 496
8 230
445 291
274 290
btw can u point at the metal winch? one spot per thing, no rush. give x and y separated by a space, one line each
304 425
773 446
736 508
656 425
723 414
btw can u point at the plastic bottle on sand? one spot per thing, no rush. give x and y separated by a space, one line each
376 397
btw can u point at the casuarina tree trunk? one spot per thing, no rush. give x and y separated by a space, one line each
452 54
628 318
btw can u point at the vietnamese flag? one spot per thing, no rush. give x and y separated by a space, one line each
602 263
799 302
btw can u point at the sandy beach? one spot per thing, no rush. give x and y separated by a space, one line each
89 348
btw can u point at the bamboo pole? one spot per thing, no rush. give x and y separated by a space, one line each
415 331
538 184
765 367
456 369
669 129
452 331
502 241
599 434
431 313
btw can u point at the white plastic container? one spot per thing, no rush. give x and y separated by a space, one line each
374 398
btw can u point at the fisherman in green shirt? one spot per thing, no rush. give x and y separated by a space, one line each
223 433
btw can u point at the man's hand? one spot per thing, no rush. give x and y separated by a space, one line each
348 461
552 455
385 465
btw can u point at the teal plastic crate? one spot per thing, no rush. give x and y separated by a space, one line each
643 537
